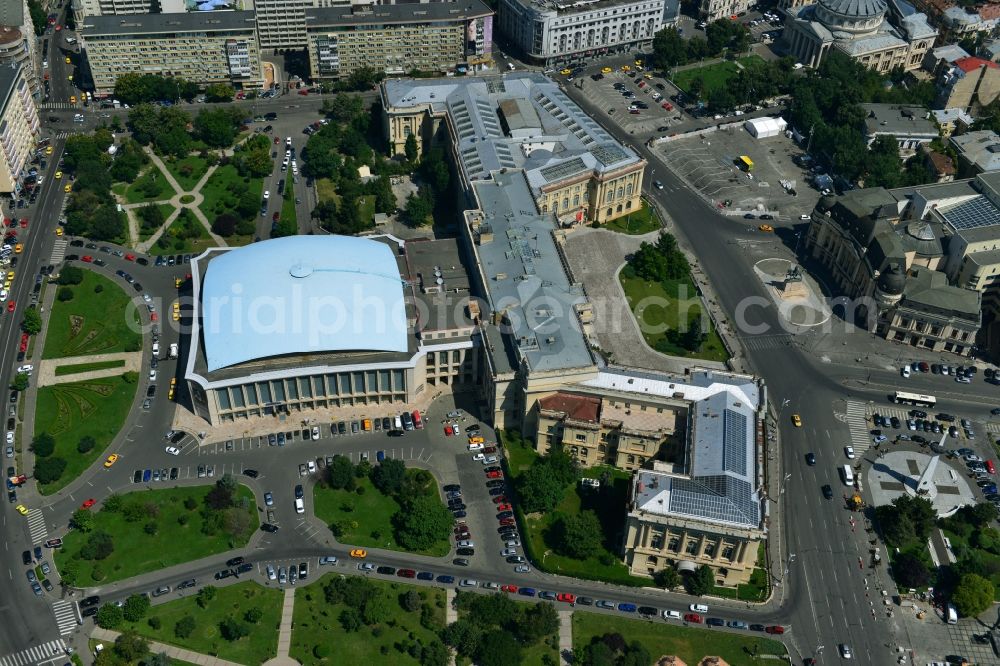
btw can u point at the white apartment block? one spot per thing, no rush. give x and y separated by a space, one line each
19 127
201 47
550 32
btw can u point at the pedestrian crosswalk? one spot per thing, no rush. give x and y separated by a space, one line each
58 250
760 342
63 135
856 417
66 618
37 530
52 106
35 655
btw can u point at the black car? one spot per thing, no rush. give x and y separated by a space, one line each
945 417
90 611
715 622
495 483
233 561
11 496
386 423
757 627
515 559
662 128
505 514
460 561
466 551
388 571
895 421
341 428
303 570
425 575
184 584
452 487
299 493
137 476
827 491
447 580
648 611
245 567
496 491
268 527
585 601
225 573
26 557
459 513
252 473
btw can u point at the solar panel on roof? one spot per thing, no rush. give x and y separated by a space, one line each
734 442
566 169
973 214
609 154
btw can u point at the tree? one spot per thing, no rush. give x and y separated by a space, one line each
435 654
972 595
579 535
70 275
222 493
909 571
64 294
340 473
538 491
130 646
376 609
410 148
463 635
43 444
136 606
20 382
31 322
667 578
701 582
48 470
219 92
498 648
217 127
225 225
539 621
422 521
343 108
233 630
205 595
410 601
82 521
418 208
388 475
86 444
350 620
185 627
39 18
598 653
109 616
669 48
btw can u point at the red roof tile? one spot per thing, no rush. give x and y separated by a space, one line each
972 63
579 407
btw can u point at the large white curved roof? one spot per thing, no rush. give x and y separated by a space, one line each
302 294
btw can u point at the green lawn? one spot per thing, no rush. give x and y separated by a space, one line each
150 186
145 234
315 623
371 515
92 323
689 644
366 209
233 600
87 367
325 191
222 189
288 217
658 307
534 655
636 224
188 171
538 528
713 76
172 241
135 551
756 589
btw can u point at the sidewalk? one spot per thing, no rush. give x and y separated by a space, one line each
285 632
45 373
170 650
566 636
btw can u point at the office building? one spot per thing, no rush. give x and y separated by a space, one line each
202 47
437 37
713 10
910 126
91 8
19 128
859 29
977 152
550 32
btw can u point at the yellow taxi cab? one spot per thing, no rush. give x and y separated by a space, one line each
626 68
170 393
566 72
19 248
111 460
67 190
48 150
70 77
68 61
477 440
638 62
796 421
766 227
366 424
59 231
178 282
58 175
648 75
176 315
606 70
23 510
10 276
359 553
173 381
72 98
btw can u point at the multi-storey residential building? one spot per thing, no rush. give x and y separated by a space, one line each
202 47
977 151
859 29
19 128
433 37
281 24
16 50
552 32
91 8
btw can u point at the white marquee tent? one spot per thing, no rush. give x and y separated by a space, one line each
762 128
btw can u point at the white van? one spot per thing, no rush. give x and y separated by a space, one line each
698 608
300 506
156 348
848 475
397 423
951 614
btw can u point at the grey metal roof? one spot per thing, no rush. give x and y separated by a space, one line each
978 148
525 277
898 120
856 8
877 42
8 78
140 24
721 484
319 19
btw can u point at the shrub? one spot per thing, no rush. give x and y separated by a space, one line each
43 444
85 444
98 288
64 294
321 651
184 627
154 622
50 469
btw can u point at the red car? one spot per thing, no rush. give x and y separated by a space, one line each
567 597
507 521
89 259
406 573
277 140
990 467
10 222
24 342
304 92
448 432
11 305
276 216
153 317
498 499
504 507
693 617
494 475
509 588
668 106
129 257
24 223
88 503
775 629
490 449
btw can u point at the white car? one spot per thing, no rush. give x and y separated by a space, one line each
25 369
522 568
267 195
671 615
456 429
10 439
698 608
312 466
475 447
507 552
845 651
3 295
173 450
849 452
905 371
466 544
270 573
479 456
147 298
489 460
152 375
315 432
327 559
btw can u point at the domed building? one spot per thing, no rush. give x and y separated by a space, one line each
860 29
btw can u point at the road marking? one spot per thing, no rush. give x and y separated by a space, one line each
35 654
36 527
856 420
66 619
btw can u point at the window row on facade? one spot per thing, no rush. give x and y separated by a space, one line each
337 385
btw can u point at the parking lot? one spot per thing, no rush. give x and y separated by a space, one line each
656 118
708 162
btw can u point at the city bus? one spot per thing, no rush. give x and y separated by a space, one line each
745 163
918 399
